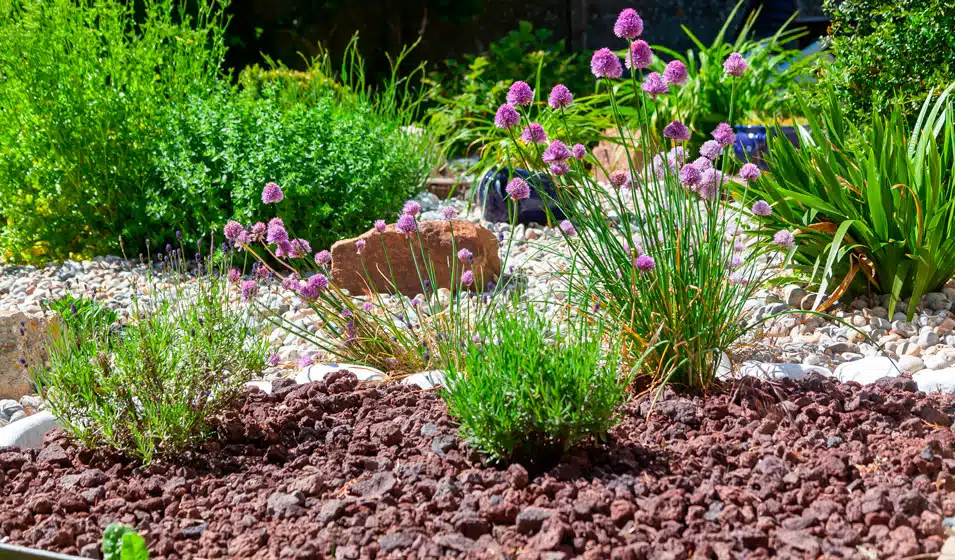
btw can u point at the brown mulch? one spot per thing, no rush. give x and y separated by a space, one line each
341 469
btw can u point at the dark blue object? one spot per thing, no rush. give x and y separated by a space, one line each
751 142
495 202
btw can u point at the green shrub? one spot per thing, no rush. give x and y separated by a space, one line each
83 91
871 207
888 49
82 314
525 389
150 389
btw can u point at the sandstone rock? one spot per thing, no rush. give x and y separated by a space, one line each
347 271
30 346
612 156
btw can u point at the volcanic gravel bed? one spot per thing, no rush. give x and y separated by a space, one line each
341 469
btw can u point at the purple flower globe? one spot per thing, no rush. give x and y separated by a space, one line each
654 85
506 116
629 25
605 64
724 135
711 149
232 230
534 134
762 208
689 175
449 212
559 168
620 179
467 278
675 73
257 231
702 163
271 193
318 281
785 239
749 172
639 56
411 208
276 231
557 151
323 258
645 263
234 275
676 131
465 256
360 245
520 94
560 97
518 189
406 224
249 289
735 64
579 151
380 226
568 228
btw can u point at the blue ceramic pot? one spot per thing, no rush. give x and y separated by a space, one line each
495 201
751 142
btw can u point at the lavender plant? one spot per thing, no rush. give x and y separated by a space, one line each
658 247
379 326
150 388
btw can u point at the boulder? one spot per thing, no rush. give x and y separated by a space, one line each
496 204
23 337
433 239
867 370
611 155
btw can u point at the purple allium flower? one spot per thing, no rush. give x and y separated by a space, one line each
736 261
568 228
639 56
467 278
249 289
654 85
257 231
559 168
283 249
506 116
675 73
300 248
232 230
465 256
560 97
312 288
629 25
449 212
724 135
557 151
702 163
380 226
749 172
406 225
676 158
411 208
271 193
518 189
739 246
579 151
262 272
240 240
534 134
677 131
276 231
235 275
735 64
520 94
319 281
784 239
306 361
605 64
762 208
620 179
368 307
323 258
275 360
360 245
689 175
738 278
706 187
291 282
711 149
645 263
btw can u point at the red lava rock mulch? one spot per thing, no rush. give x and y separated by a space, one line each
338 469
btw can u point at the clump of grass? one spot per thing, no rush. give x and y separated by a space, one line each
81 313
527 389
149 388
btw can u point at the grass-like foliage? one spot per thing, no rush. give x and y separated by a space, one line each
81 313
149 389
872 208
526 389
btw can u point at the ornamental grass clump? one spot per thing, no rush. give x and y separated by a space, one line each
525 389
377 325
868 209
658 248
150 387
